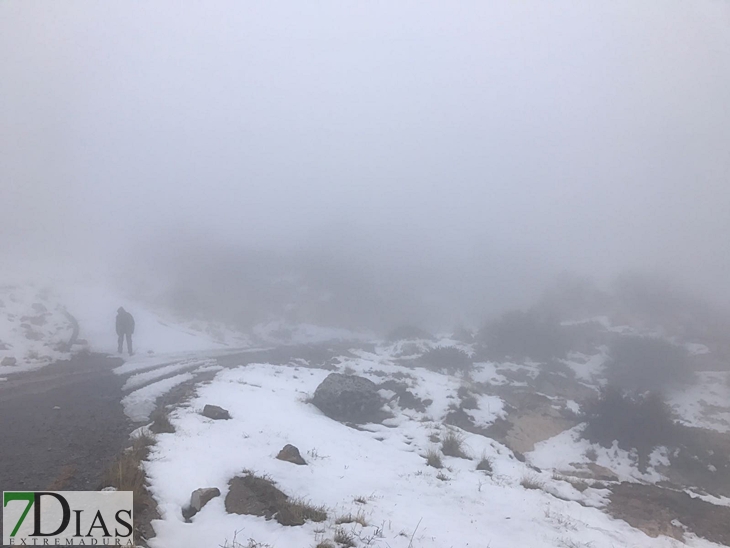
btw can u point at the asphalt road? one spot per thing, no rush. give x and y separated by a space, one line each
62 425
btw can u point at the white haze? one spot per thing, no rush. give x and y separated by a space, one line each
422 157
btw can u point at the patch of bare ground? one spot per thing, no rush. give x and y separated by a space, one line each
652 509
702 460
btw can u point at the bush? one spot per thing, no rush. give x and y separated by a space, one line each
646 363
640 422
447 357
521 335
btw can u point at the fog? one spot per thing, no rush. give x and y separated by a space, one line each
420 161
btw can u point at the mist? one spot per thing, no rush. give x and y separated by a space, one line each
421 162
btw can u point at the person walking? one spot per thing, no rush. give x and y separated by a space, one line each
125 329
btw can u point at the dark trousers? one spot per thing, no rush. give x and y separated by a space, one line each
129 342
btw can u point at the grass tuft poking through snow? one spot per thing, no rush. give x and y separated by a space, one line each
453 445
531 481
433 458
344 538
352 518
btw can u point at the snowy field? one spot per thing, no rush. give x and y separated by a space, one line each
378 473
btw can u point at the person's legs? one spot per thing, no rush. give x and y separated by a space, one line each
129 344
121 343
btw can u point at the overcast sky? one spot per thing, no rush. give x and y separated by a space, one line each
532 136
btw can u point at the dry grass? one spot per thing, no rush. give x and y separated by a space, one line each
531 481
126 473
361 500
297 511
250 544
350 518
485 464
161 422
443 477
64 477
325 544
344 538
570 543
433 458
453 445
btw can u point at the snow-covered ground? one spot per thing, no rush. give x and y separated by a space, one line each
378 472
34 329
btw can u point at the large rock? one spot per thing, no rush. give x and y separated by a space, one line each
349 398
8 361
216 413
291 454
254 496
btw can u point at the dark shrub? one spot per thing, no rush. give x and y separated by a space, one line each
640 422
646 363
409 332
522 335
447 357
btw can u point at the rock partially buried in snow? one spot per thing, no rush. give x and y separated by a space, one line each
9 361
216 413
291 454
349 398
201 497
198 499
254 496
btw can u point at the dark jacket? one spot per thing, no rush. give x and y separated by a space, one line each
125 322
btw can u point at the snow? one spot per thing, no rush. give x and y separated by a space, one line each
567 451
706 403
406 504
33 328
140 379
138 405
587 368
95 308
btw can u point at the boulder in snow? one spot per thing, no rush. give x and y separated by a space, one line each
216 413
349 398
254 496
291 454
9 361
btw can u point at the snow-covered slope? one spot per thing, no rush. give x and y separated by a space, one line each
34 328
378 473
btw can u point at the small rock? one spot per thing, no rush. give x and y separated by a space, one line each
56 407
201 497
216 413
9 361
291 454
